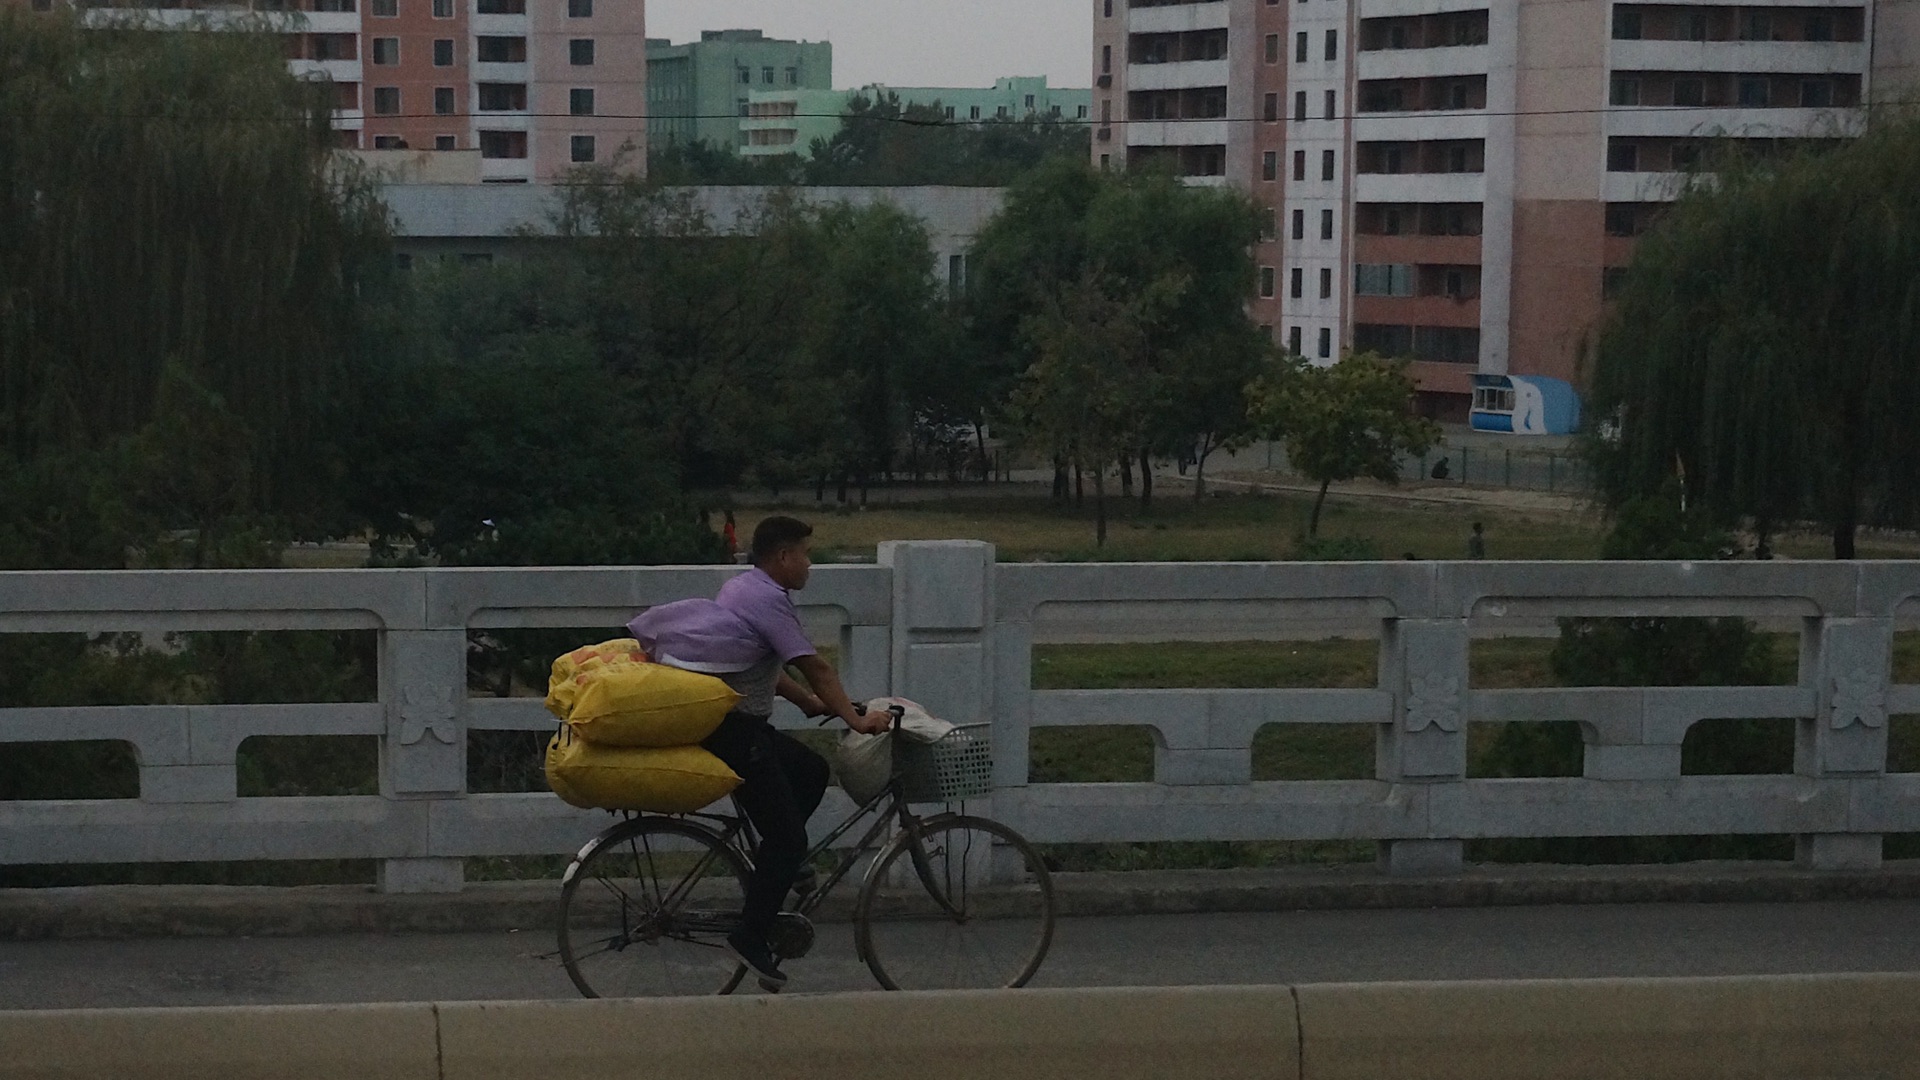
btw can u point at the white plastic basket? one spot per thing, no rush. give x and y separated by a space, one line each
958 765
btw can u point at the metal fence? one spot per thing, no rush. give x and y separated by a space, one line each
943 623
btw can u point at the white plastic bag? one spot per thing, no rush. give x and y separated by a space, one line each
864 763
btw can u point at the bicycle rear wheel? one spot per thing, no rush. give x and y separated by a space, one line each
958 903
646 908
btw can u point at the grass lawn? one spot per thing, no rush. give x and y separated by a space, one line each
1179 529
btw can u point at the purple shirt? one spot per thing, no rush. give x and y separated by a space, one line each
743 636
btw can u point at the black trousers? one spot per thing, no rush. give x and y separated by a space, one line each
782 784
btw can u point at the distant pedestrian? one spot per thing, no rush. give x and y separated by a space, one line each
1477 543
732 538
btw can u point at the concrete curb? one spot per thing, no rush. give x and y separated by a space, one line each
122 911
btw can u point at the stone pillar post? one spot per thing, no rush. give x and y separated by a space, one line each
1424 666
1850 664
423 685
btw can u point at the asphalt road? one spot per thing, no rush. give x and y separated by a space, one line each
1298 947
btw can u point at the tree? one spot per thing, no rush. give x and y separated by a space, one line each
171 201
1342 422
1765 346
1132 234
1081 399
885 142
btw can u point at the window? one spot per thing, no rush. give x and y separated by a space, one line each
443 101
1000 112
1332 101
1454 284
1622 156
386 51
1695 28
1622 220
1756 25
1390 223
1270 165
1293 340
1754 93
1271 230
386 101
746 76
582 147
1816 94
1029 103
1333 45
1326 343
1459 160
501 50
1626 91
1326 164
1326 224
503 97
1299 224
1273 48
1106 59
1684 156
443 9
1383 279
385 9
580 101
501 7
793 76
1819 26
1689 92
1626 24
446 142
1106 111
442 52
1326 283
1108 9
1299 164
1266 281
1106 162
766 76
579 9
1273 108
580 52
1296 283
1393 160
503 144
1459 96
1612 280
745 110
389 142
1300 47
974 112
1300 105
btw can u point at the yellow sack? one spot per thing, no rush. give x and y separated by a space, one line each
563 687
673 780
629 704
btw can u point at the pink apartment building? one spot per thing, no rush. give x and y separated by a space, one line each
536 86
1455 181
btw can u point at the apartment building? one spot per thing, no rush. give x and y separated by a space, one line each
782 122
699 92
536 86
1458 181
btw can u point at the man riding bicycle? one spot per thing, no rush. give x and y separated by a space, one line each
747 638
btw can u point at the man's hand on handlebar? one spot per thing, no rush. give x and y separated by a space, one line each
875 723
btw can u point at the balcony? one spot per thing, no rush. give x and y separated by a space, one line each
488 25
1418 311
1177 132
1755 57
1177 18
502 73
333 22
1424 187
1424 63
1416 249
1180 75
1391 9
1401 127
340 71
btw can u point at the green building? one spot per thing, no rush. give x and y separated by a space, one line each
700 91
785 121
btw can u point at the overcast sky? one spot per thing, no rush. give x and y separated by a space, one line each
909 42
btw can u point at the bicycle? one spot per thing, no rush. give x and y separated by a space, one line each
669 888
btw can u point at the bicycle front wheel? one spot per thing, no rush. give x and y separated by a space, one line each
646 909
956 903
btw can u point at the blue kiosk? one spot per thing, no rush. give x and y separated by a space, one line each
1525 405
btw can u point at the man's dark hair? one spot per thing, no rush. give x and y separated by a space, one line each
777 534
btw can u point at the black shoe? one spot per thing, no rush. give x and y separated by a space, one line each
804 883
757 958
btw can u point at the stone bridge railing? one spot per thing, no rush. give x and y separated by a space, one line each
945 624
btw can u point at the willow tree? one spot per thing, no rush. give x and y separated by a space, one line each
170 203
1765 347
